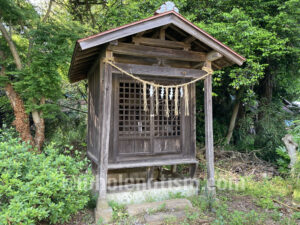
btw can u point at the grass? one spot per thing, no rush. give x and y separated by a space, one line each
119 211
260 195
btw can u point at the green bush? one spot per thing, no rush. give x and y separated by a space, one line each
47 187
295 131
268 123
283 160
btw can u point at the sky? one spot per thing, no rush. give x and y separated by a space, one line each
39 4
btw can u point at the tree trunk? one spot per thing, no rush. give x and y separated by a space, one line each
39 129
232 121
48 11
39 123
12 47
21 121
269 87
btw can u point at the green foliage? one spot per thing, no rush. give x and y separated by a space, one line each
267 121
175 195
295 131
69 131
119 211
221 214
41 77
39 187
283 160
6 112
160 208
45 47
269 39
237 217
295 176
16 12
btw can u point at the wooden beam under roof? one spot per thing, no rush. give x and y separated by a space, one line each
157 52
160 43
189 39
159 71
171 37
86 55
213 56
86 59
162 34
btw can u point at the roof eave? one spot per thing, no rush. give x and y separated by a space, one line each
170 17
72 61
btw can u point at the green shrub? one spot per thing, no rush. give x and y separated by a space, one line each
295 131
283 160
45 187
296 180
268 122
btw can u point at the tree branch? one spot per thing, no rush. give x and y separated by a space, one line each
48 11
12 46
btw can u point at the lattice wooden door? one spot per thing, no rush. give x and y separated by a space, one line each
145 133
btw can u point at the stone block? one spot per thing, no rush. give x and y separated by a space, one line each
103 212
164 218
168 205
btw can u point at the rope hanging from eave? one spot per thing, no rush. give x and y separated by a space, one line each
208 71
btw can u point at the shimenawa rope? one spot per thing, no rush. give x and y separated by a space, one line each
208 71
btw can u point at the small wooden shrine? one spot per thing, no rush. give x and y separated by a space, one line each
141 87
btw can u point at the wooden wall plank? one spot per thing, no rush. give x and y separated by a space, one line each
93 114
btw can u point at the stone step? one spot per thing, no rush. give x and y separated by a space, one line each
167 205
164 218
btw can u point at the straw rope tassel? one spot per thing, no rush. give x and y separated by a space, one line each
176 101
186 100
167 102
145 96
156 100
208 71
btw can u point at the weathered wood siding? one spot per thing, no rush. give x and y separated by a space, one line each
94 122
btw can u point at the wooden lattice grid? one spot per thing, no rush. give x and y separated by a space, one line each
134 121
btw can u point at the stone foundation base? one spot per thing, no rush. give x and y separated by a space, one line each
103 213
157 191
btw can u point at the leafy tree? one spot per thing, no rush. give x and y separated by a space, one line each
267 35
35 56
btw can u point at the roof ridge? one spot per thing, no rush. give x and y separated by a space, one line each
126 25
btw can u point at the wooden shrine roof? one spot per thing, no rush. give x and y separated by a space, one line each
178 28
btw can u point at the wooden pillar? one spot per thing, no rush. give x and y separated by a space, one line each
149 177
209 141
105 117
